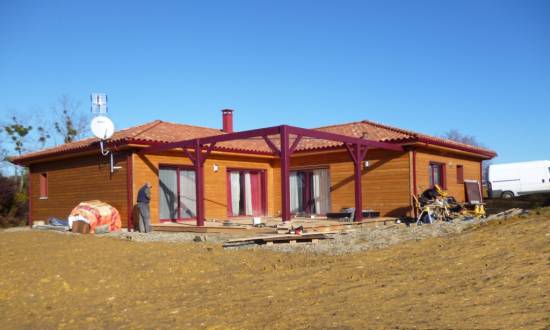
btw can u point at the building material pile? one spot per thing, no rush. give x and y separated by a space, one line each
277 239
97 215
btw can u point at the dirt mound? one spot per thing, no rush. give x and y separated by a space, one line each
495 275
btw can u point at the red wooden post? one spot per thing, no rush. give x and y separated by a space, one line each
357 166
357 155
285 174
130 191
415 187
29 184
199 183
481 179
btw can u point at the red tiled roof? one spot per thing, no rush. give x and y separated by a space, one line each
163 132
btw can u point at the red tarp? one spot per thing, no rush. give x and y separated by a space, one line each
98 213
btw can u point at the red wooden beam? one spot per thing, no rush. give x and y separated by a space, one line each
285 174
358 167
215 139
415 188
272 146
357 154
29 184
295 144
342 138
130 190
481 179
208 152
189 155
199 183
264 132
351 152
363 153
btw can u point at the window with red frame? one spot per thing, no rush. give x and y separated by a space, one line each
43 185
437 175
459 174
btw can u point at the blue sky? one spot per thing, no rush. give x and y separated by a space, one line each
480 66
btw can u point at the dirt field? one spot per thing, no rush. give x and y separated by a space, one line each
491 276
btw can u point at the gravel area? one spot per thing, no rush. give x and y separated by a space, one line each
355 239
158 236
375 237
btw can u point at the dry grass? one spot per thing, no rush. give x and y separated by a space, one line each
495 276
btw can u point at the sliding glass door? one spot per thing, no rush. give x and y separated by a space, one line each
309 192
177 193
246 194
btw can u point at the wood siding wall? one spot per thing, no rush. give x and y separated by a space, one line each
145 169
386 182
73 180
455 189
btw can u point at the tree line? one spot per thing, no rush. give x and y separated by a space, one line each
22 132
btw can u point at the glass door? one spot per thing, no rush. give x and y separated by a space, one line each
246 195
177 199
309 192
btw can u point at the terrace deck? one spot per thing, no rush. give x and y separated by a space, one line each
243 226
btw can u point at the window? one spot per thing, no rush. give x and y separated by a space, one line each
459 174
43 185
245 192
437 175
310 191
177 193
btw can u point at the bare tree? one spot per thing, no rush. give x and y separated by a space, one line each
70 123
18 134
456 135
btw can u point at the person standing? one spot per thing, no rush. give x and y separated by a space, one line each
143 200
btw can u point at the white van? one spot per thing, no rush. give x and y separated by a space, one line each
514 179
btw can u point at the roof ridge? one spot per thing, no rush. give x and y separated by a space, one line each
146 127
198 126
336 125
391 128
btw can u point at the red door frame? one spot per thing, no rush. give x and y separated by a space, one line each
263 189
308 186
443 174
177 167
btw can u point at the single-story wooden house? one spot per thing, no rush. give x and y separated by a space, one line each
202 173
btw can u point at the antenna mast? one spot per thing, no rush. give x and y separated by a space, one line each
102 126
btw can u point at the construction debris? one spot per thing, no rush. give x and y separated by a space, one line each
277 239
434 204
506 214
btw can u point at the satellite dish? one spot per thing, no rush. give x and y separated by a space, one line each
102 127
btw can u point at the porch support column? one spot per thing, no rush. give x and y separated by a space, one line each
358 186
199 182
285 174
357 154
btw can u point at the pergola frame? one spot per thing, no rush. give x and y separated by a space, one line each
357 149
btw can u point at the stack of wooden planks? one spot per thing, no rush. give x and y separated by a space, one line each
277 239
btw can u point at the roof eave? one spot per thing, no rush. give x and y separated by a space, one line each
485 154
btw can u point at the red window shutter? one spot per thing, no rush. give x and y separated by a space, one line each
44 185
443 176
459 174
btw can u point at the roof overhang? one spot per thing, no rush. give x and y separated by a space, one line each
271 131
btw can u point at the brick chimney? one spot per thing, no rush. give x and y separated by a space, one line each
227 117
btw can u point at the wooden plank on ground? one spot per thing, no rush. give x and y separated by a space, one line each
277 239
